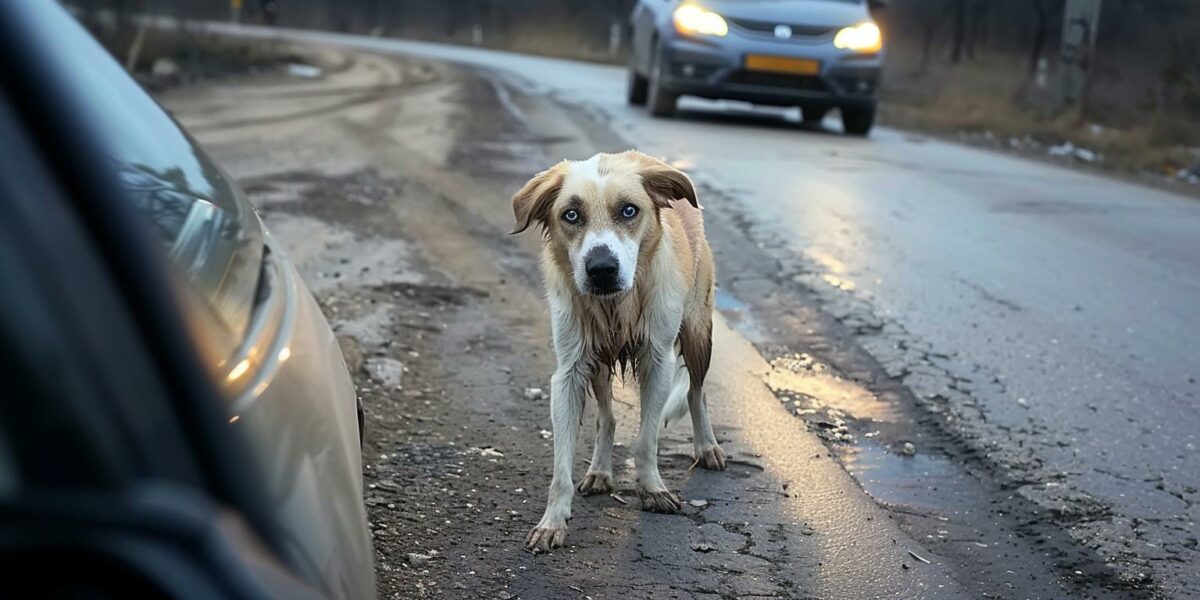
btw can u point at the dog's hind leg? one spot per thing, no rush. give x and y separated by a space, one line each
677 405
654 375
696 343
568 388
599 477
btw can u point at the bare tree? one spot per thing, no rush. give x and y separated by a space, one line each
927 15
976 27
1043 10
960 30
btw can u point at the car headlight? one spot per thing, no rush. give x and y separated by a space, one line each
864 37
691 19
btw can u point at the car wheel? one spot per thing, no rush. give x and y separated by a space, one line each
858 121
638 86
813 115
661 101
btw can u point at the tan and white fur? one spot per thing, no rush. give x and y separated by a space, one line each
630 280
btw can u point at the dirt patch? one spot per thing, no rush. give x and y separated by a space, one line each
444 485
436 493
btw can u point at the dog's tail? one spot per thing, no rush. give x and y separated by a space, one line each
677 403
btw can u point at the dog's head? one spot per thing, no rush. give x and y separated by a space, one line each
600 214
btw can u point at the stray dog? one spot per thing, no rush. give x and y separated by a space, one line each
629 277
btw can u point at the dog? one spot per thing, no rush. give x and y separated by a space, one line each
629 278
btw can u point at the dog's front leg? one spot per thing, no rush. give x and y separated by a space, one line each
567 391
655 378
599 477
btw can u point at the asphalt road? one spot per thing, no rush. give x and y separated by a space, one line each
1032 329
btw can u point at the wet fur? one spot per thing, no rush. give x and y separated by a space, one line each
657 328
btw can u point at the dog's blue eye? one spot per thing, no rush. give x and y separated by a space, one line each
629 211
571 216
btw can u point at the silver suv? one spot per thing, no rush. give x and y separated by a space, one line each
815 54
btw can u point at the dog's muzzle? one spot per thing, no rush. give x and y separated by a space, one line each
603 271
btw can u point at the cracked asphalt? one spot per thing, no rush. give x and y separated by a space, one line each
939 372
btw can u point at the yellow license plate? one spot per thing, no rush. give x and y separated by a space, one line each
780 64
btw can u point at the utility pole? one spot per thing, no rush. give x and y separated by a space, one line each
1081 22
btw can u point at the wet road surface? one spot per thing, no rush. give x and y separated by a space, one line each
1026 328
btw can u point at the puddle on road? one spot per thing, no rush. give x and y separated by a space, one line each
923 480
826 401
846 414
799 377
738 314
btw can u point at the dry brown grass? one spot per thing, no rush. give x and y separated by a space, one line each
529 38
991 97
557 42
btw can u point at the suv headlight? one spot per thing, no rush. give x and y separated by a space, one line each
691 19
864 37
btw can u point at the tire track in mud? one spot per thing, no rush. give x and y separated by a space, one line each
370 97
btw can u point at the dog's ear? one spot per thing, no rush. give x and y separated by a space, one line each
533 202
665 183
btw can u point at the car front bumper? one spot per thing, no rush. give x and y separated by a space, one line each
713 68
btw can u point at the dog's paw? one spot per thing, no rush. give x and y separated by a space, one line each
595 483
711 458
545 539
663 502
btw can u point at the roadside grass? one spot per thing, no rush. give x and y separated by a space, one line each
990 101
550 41
536 39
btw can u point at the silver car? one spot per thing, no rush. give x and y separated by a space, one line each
815 54
177 419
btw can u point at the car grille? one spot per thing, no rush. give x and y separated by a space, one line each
767 28
778 80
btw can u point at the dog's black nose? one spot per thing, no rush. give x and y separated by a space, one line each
602 270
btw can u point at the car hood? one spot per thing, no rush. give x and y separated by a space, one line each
826 13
